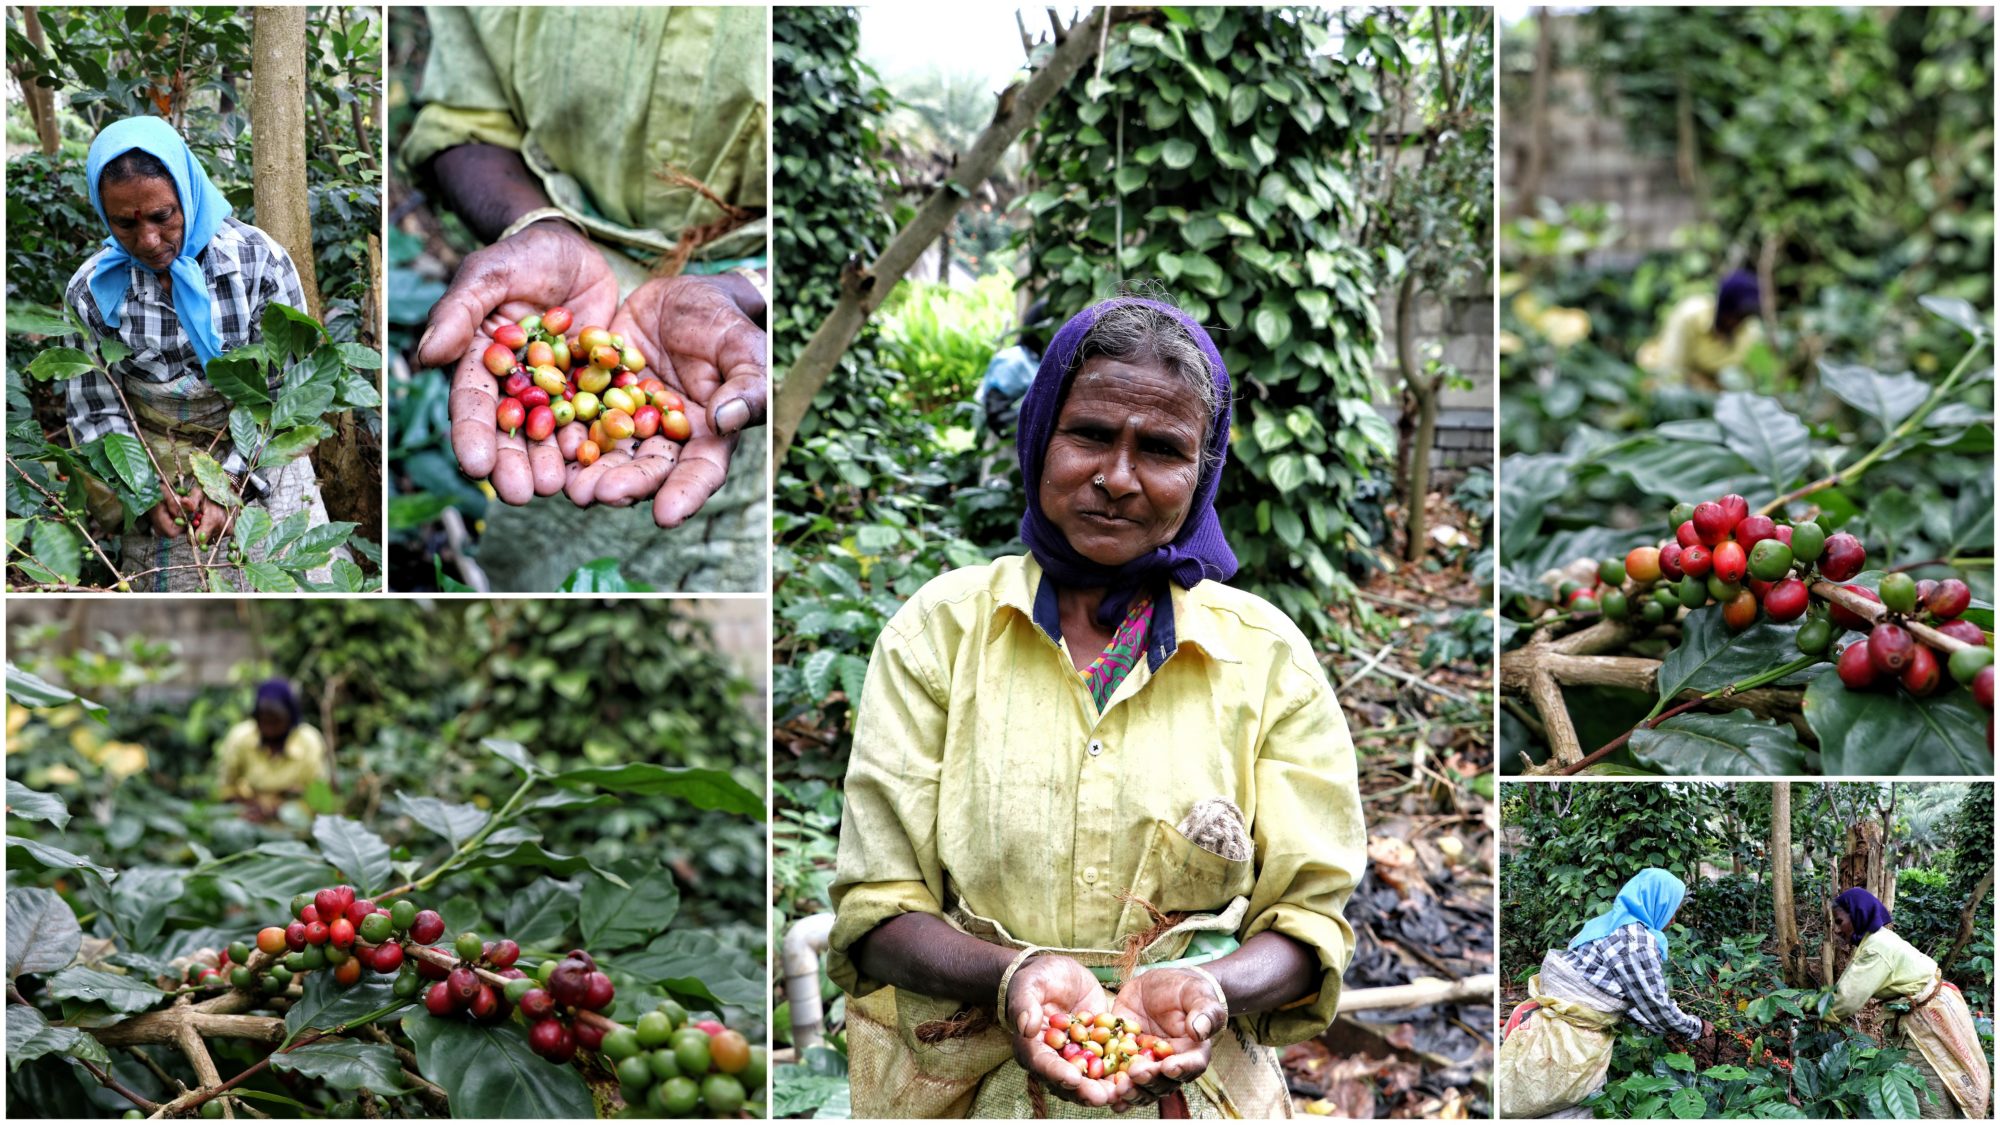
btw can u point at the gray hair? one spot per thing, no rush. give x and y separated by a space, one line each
1140 334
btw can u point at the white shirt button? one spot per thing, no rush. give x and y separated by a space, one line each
1090 874
1096 748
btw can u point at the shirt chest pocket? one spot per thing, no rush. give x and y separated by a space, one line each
1178 876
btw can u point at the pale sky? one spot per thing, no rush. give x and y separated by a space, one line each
975 37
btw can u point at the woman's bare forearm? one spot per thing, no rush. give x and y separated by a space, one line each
487 186
1270 971
925 954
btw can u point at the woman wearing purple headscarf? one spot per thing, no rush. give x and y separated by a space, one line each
1096 779
1937 1030
270 756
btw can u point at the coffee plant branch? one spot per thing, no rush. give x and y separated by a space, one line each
862 290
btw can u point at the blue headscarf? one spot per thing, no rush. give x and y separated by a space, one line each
1197 551
278 693
1864 910
203 208
1648 898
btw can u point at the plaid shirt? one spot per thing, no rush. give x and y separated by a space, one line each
1626 963
246 270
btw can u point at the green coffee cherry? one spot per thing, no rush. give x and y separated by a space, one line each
1966 662
376 928
1814 636
620 1044
1611 572
634 1075
1899 592
1723 591
1692 592
1614 604
469 946
1808 540
1682 513
655 1028
1770 560
239 952
402 914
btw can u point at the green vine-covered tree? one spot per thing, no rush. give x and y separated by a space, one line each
1216 154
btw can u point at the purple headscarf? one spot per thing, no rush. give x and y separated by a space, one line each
1739 296
279 693
1864 909
1198 551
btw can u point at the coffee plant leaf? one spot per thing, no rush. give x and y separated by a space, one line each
355 850
457 823
617 917
544 913
325 1004
115 991
1885 733
27 804
42 932
1731 744
29 1037
1710 656
514 753
489 1072
346 1064
702 788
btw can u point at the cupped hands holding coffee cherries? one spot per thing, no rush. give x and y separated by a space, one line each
690 335
1090 1047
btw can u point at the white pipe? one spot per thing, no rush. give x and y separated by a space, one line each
804 943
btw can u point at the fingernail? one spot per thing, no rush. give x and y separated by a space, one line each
733 416
1201 1026
424 341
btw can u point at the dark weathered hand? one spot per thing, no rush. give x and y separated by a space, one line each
701 343
1050 985
545 265
1181 1008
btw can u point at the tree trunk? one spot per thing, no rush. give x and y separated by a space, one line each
1535 164
1424 393
278 129
1791 954
1861 863
1965 920
864 290
41 100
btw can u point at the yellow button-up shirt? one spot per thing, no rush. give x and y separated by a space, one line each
244 769
981 764
1884 967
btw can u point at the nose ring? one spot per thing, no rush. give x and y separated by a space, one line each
1099 482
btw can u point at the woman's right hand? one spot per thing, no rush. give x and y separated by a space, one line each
544 265
1053 985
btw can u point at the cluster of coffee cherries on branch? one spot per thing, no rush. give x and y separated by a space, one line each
1894 654
1102 1044
672 1066
1721 552
667 1064
549 381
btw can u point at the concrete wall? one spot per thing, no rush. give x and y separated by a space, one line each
1464 438
1592 160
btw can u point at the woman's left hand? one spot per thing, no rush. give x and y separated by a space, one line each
1182 1008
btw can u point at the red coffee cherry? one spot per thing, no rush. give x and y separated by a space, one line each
551 1040
1856 668
1686 535
316 933
1736 508
1962 630
1752 530
1670 562
341 933
589 1036
1842 558
1711 523
438 1000
1785 535
503 953
295 936
463 983
1696 562
1786 601
432 972
598 997
541 421
358 910
1920 678
309 913
1982 687
1948 600
556 320
388 957
483 1005
516 384
570 983
427 928
510 414
537 1004
347 972
498 360
511 337
1891 647
1729 561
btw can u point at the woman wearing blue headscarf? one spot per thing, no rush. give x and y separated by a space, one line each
1557 1048
272 755
1096 767
178 283
1937 1029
